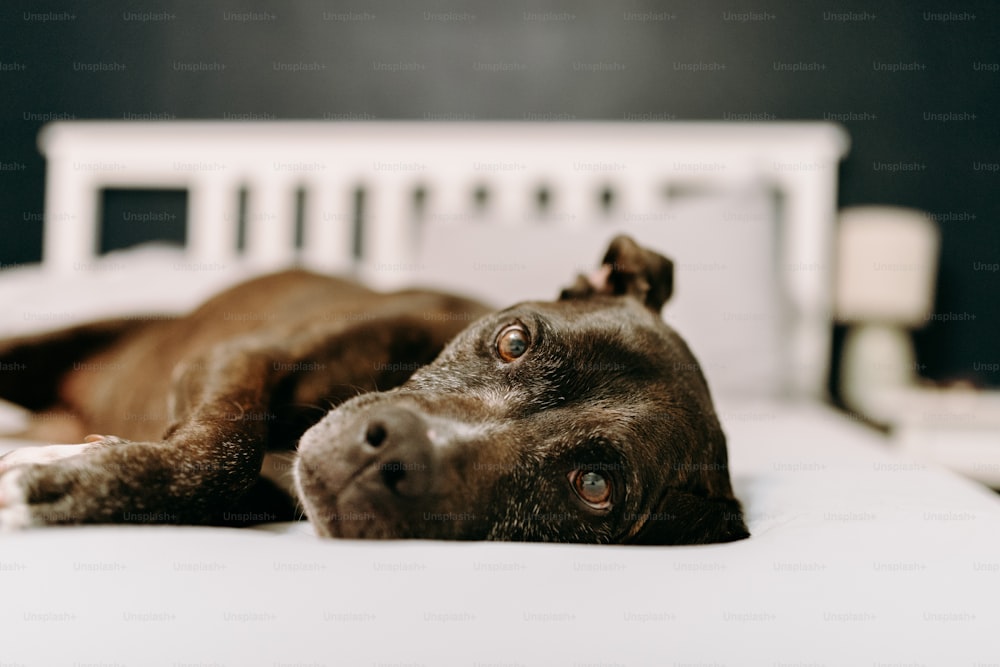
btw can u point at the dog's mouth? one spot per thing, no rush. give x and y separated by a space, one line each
354 504
343 511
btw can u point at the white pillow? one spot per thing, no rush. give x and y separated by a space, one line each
727 303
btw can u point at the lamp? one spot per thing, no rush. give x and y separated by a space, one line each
885 273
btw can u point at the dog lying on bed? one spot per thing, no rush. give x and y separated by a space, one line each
581 420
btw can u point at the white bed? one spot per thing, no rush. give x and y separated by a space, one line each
857 556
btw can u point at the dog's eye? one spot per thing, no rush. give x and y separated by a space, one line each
592 487
512 342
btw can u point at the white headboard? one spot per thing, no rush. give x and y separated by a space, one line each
514 176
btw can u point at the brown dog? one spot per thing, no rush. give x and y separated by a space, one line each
581 420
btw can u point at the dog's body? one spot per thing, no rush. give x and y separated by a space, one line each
585 419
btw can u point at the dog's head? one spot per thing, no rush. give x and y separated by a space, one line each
586 419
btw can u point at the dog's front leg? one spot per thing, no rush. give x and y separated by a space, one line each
211 454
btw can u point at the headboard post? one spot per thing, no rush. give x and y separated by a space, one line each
70 219
809 194
214 197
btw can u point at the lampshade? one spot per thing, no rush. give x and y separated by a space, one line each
886 266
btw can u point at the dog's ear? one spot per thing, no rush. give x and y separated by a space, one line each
682 517
628 269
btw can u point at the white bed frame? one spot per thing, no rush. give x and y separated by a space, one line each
858 555
450 173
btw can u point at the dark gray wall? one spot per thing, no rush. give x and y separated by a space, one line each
889 69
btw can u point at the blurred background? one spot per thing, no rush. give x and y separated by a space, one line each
917 87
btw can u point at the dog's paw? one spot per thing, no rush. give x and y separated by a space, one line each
37 483
41 454
14 511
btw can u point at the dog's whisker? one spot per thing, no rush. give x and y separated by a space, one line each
313 406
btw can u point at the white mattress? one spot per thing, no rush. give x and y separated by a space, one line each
858 557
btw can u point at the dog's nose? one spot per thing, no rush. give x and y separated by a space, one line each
398 438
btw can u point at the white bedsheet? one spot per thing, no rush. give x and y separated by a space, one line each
858 557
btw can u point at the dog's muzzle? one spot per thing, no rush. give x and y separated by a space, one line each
364 472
